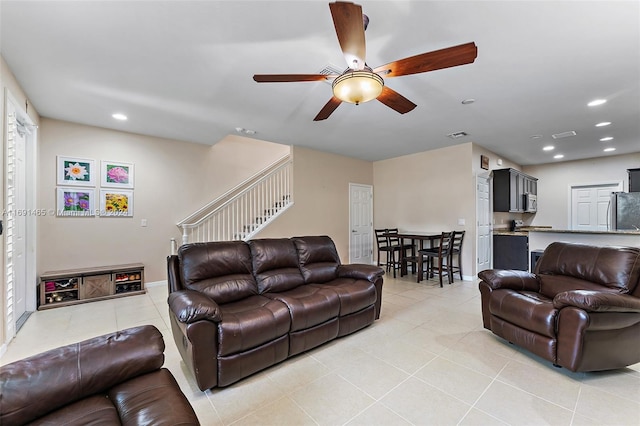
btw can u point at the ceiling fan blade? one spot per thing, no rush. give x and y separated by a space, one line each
326 111
349 24
287 78
395 100
438 59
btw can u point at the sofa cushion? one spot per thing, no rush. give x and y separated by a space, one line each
94 410
525 309
354 295
250 322
152 399
617 268
318 257
221 270
309 305
275 264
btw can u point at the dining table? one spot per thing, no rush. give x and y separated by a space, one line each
418 240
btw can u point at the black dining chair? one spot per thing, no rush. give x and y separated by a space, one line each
442 254
391 245
456 251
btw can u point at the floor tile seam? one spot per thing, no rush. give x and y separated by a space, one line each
210 395
504 382
389 364
575 407
532 394
443 390
158 314
436 388
632 401
368 394
466 367
303 410
291 391
475 403
257 411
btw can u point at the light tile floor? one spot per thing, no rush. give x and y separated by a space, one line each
426 361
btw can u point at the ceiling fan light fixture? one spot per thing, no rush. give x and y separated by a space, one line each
357 87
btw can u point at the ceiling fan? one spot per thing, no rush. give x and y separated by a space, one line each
359 83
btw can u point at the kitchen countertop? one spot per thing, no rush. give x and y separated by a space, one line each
573 231
522 231
503 232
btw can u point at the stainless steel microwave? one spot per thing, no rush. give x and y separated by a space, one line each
530 203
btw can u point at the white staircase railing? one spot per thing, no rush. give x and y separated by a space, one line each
243 211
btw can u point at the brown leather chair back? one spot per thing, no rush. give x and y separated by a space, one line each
221 270
275 264
318 257
565 266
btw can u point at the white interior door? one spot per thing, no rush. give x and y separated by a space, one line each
360 223
483 232
590 206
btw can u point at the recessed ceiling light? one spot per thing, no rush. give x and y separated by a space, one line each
597 102
468 101
558 156
604 123
608 138
548 148
609 149
535 136
119 116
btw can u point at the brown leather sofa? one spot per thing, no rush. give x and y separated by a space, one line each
112 379
580 309
237 308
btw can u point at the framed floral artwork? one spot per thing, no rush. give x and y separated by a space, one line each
117 175
76 171
116 202
75 201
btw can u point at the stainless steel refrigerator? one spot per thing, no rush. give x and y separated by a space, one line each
625 210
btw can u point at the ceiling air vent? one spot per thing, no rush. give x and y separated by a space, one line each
564 134
457 135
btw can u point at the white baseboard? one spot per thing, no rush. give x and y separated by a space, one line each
156 283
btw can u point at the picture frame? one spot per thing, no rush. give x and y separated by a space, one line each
484 162
76 202
116 174
116 203
76 171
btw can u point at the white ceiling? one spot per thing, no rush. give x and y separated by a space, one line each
183 70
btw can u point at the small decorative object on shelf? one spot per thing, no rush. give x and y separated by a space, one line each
63 288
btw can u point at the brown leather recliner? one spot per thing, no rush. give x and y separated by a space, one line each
580 309
111 379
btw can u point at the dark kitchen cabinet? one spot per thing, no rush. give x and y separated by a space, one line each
509 188
634 180
511 252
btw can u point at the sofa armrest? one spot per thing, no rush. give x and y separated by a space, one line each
360 271
597 301
173 273
190 306
509 279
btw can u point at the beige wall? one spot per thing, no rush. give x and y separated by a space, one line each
555 180
429 191
172 180
321 197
